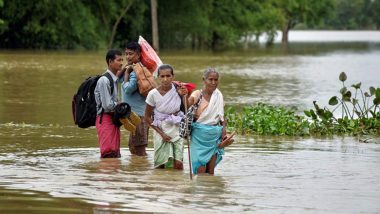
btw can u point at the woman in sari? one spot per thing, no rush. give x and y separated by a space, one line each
209 127
163 114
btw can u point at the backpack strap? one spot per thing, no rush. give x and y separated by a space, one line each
106 74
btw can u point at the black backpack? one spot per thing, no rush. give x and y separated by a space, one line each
84 104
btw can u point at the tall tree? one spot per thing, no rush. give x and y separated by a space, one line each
155 38
354 14
47 24
258 17
132 20
215 24
301 11
1 5
375 13
117 22
184 21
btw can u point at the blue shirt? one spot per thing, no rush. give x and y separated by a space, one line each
103 97
131 94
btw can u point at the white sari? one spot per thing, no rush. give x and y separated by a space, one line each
214 113
167 118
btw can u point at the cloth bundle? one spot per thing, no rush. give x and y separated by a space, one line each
124 116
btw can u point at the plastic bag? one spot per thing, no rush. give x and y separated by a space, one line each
149 57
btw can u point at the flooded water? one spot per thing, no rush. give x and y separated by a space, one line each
50 166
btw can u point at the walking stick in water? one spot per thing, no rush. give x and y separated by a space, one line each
187 137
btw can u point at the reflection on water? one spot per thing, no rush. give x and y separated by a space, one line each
257 174
129 183
51 166
305 73
25 201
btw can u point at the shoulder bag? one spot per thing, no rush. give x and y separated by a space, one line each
190 115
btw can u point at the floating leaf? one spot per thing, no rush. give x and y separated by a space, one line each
355 101
328 114
342 77
343 90
333 101
321 112
347 96
357 86
346 99
315 105
313 115
307 113
376 101
372 90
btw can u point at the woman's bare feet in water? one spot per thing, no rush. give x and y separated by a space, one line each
178 165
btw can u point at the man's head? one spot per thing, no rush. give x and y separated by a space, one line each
133 52
114 59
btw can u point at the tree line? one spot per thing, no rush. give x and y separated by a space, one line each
196 24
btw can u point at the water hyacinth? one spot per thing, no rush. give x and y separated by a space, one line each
360 115
264 119
359 112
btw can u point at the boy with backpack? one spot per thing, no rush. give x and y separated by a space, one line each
106 98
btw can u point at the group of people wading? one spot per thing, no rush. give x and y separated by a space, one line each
162 110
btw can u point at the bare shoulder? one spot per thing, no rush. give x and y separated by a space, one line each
195 93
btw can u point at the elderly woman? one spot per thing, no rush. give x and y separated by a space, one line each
163 114
209 128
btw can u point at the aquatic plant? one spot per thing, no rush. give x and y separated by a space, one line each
359 112
264 119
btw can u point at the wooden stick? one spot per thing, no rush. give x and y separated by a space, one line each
187 137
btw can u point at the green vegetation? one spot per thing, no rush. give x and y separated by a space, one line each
265 119
310 13
196 24
360 114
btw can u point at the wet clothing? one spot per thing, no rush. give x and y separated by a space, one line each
166 117
141 135
166 152
109 137
204 144
108 133
206 132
